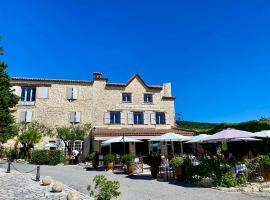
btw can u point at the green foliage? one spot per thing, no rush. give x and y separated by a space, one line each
195 126
228 180
127 158
104 189
92 156
109 158
262 160
47 157
152 160
177 162
242 179
72 133
8 101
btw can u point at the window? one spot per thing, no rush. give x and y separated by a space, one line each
160 118
28 94
26 116
75 117
148 98
126 97
72 94
138 117
115 117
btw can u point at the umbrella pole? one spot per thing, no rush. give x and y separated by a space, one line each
181 144
172 147
124 144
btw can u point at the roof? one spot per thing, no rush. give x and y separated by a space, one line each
51 80
106 132
131 79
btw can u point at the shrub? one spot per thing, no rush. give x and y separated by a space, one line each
92 156
127 158
104 189
152 160
2 152
109 158
242 179
47 157
177 162
228 180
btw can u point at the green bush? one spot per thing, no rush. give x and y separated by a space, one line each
127 158
228 180
152 160
104 189
47 157
109 158
177 162
92 156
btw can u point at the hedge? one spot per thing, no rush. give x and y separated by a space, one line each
47 157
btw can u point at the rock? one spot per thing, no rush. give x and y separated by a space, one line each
265 189
246 189
57 187
47 180
255 189
73 196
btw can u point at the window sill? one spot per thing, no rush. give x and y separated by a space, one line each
27 103
126 101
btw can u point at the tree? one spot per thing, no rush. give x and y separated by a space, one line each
8 101
69 134
104 189
31 134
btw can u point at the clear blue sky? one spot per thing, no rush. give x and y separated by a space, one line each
215 53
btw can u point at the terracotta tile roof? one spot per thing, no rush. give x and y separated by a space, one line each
105 132
131 79
19 79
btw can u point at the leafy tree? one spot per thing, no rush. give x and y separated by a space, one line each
31 134
104 189
69 134
8 101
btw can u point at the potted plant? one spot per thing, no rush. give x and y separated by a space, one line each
108 159
93 157
128 159
177 162
154 161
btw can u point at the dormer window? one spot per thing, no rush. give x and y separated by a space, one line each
126 97
28 94
148 98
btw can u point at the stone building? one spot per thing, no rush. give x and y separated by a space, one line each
133 109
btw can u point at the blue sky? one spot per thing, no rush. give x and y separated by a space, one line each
215 53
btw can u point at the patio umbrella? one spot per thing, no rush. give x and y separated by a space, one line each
263 134
172 137
197 138
244 139
122 139
227 135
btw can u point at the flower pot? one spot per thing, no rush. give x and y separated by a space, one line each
95 164
179 173
265 170
154 171
131 168
109 166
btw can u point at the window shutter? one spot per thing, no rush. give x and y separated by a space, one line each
167 118
43 92
130 118
153 118
74 93
28 117
122 118
145 117
107 118
23 116
72 117
77 117
69 93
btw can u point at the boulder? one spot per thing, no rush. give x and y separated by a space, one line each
47 180
57 187
264 189
246 189
73 196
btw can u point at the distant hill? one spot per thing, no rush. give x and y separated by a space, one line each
211 128
196 126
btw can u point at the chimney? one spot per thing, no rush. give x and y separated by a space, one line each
167 90
97 75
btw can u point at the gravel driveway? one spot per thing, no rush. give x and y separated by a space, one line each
136 187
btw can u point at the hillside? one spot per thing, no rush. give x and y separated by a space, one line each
196 126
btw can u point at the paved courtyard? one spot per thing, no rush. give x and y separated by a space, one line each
136 187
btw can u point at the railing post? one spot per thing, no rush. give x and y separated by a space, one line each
38 174
8 168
